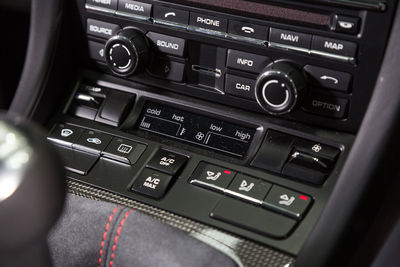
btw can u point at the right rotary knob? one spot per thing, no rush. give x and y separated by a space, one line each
280 87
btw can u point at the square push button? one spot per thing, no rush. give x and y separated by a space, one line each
124 150
167 162
134 8
171 15
212 177
65 135
286 201
248 188
92 142
152 183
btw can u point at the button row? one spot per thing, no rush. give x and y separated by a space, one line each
278 38
250 189
96 143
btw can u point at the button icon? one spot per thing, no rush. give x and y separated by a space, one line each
167 161
248 30
199 136
212 176
329 78
66 132
346 25
101 52
125 149
285 200
170 14
317 148
245 186
95 141
151 182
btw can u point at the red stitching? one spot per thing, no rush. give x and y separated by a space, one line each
110 218
117 236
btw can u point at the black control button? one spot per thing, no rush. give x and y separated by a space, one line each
307 168
347 24
239 86
168 44
168 69
334 46
135 8
246 61
92 142
327 78
253 218
115 107
124 150
212 177
288 202
248 30
109 4
290 38
167 162
171 15
328 106
152 183
76 161
65 135
316 149
96 51
208 22
274 151
248 188
101 29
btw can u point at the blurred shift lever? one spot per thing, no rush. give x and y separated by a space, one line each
32 193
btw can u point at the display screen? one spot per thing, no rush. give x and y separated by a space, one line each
264 10
218 135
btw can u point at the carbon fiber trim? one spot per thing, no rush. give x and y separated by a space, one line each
244 252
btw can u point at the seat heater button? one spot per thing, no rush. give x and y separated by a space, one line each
247 61
288 202
168 44
212 177
290 38
152 183
167 162
124 150
101 29
134 8
248 188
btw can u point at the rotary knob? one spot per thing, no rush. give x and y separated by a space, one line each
127 52
280 87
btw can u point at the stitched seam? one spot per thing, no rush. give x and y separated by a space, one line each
110 218
118 235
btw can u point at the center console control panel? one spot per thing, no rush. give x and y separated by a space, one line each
317 71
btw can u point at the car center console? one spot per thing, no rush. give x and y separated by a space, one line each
238 114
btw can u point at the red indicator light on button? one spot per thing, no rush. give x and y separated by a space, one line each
302 197
227 172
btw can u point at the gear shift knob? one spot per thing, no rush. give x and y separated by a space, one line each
32 193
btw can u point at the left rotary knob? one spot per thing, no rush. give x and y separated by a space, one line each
128 52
